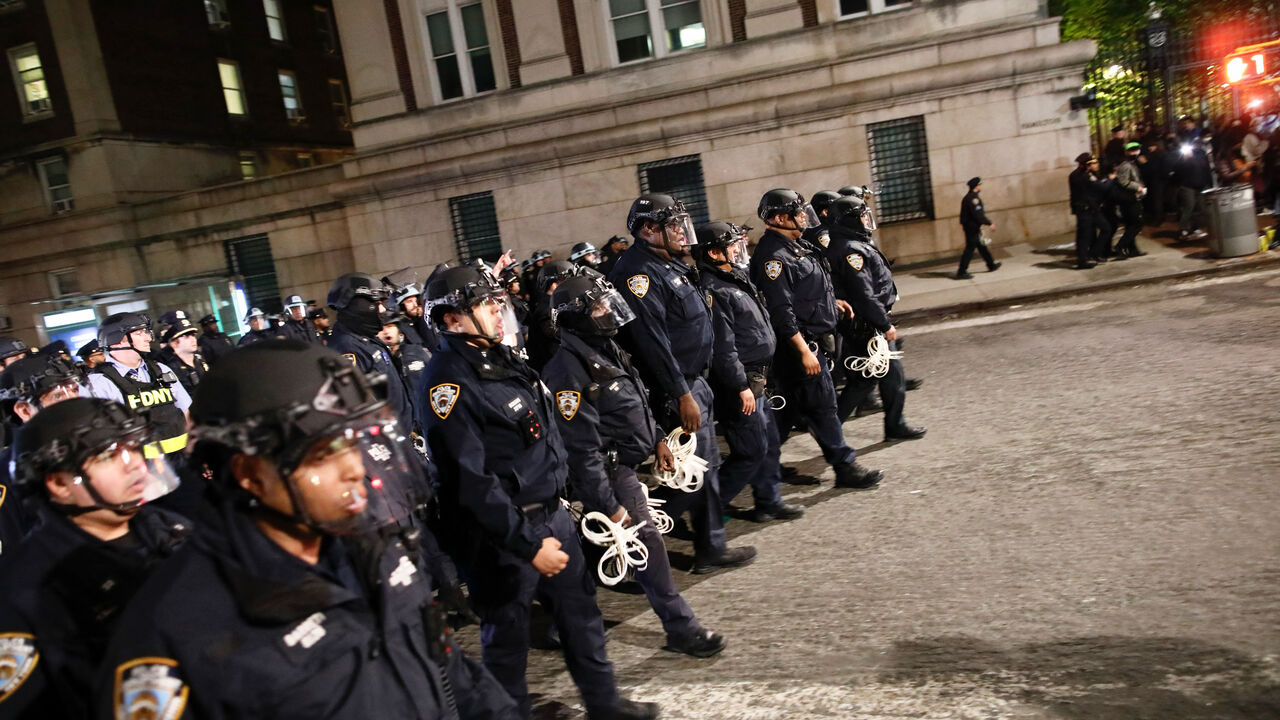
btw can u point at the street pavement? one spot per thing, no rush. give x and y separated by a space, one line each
1091 529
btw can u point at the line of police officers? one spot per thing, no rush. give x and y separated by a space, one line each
332 499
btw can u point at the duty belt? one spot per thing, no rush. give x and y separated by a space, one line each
164 447
544 510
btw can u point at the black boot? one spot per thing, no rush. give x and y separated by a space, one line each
857 477
625 710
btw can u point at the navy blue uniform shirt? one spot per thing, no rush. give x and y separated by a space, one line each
796 284
370 355
744 337
862 277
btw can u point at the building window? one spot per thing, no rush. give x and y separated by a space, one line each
465 73
64 282
215 11
475 227
324 29
57 186
681 178
250 258
275 20
338 99
635 23
304 160
289 92
28 78
900 170
859 8
232 92
248 166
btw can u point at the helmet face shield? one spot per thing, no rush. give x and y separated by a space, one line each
678 230
126 474
608 311
806 217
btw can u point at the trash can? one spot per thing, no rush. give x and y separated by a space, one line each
1233 224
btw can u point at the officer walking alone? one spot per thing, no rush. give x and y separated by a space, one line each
972 218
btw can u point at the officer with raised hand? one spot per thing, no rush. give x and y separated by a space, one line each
489 428
358 298
671 340
80 463
260 328
796 282
744 350
604 417
213 343
181 352
296 325
300 597
862 277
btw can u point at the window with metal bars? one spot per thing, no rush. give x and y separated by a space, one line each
251 259
475 227
900 170
681 178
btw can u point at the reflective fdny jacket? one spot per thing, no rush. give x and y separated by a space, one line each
744 337
487 418
796 283
370 355
601 407
670 339
235 627
64 592
153 398
862 277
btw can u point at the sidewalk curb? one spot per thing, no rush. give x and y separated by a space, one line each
1056 293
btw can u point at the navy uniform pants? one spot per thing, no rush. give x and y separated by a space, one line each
753 452
656 581
893 391
703 506
812 398
502 589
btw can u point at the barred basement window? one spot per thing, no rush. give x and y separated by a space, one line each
475 227
900 170
251 259
681 178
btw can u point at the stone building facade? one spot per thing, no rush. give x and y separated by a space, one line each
533 123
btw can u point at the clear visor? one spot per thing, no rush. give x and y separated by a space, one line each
356 481
807 217
495 319
609 311
737 251
124 476
869 219
679 230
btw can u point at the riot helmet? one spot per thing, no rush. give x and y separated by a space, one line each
93 451
589 305
782 201
476 294
669 214
295 302
554 272
12 348
119 328
358 299
852 213
821 202
728 238
42 379
584 253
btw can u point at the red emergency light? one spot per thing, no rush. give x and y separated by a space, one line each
1252 63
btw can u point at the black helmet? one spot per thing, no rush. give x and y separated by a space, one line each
35 375
616 239
117 327
782 201
588 304
10 346
63 437
580 252
537 255
858 191
654 207
849 211
457 289
719 236
554 272
822 200
353 285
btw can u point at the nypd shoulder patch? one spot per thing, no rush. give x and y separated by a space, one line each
443 397
3 492
824 240
638 285
568 401
18 657
352 358
149 687
710 299
855 261
772 269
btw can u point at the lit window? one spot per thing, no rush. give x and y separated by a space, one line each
275 20
57 186
858 8
248 166
466 73
232 92
338 99
215 11
289 91
635 24
28 77
324 29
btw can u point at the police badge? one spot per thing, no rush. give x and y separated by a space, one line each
149 688
638 284
773 269
855 261
18 657
442 399
567 402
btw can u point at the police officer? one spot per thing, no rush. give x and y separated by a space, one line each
796 283
604 417
533 266
214 344
612 250
821 202
672 341
29 385
358 298
585 254
1092 228
300 597
972 218
323 326
541 342
410 358
260 328
91 354
489 427
862 277
80 462
296 325
11 350
414 327
744 349
180 352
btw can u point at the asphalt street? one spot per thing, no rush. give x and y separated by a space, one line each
1091 529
